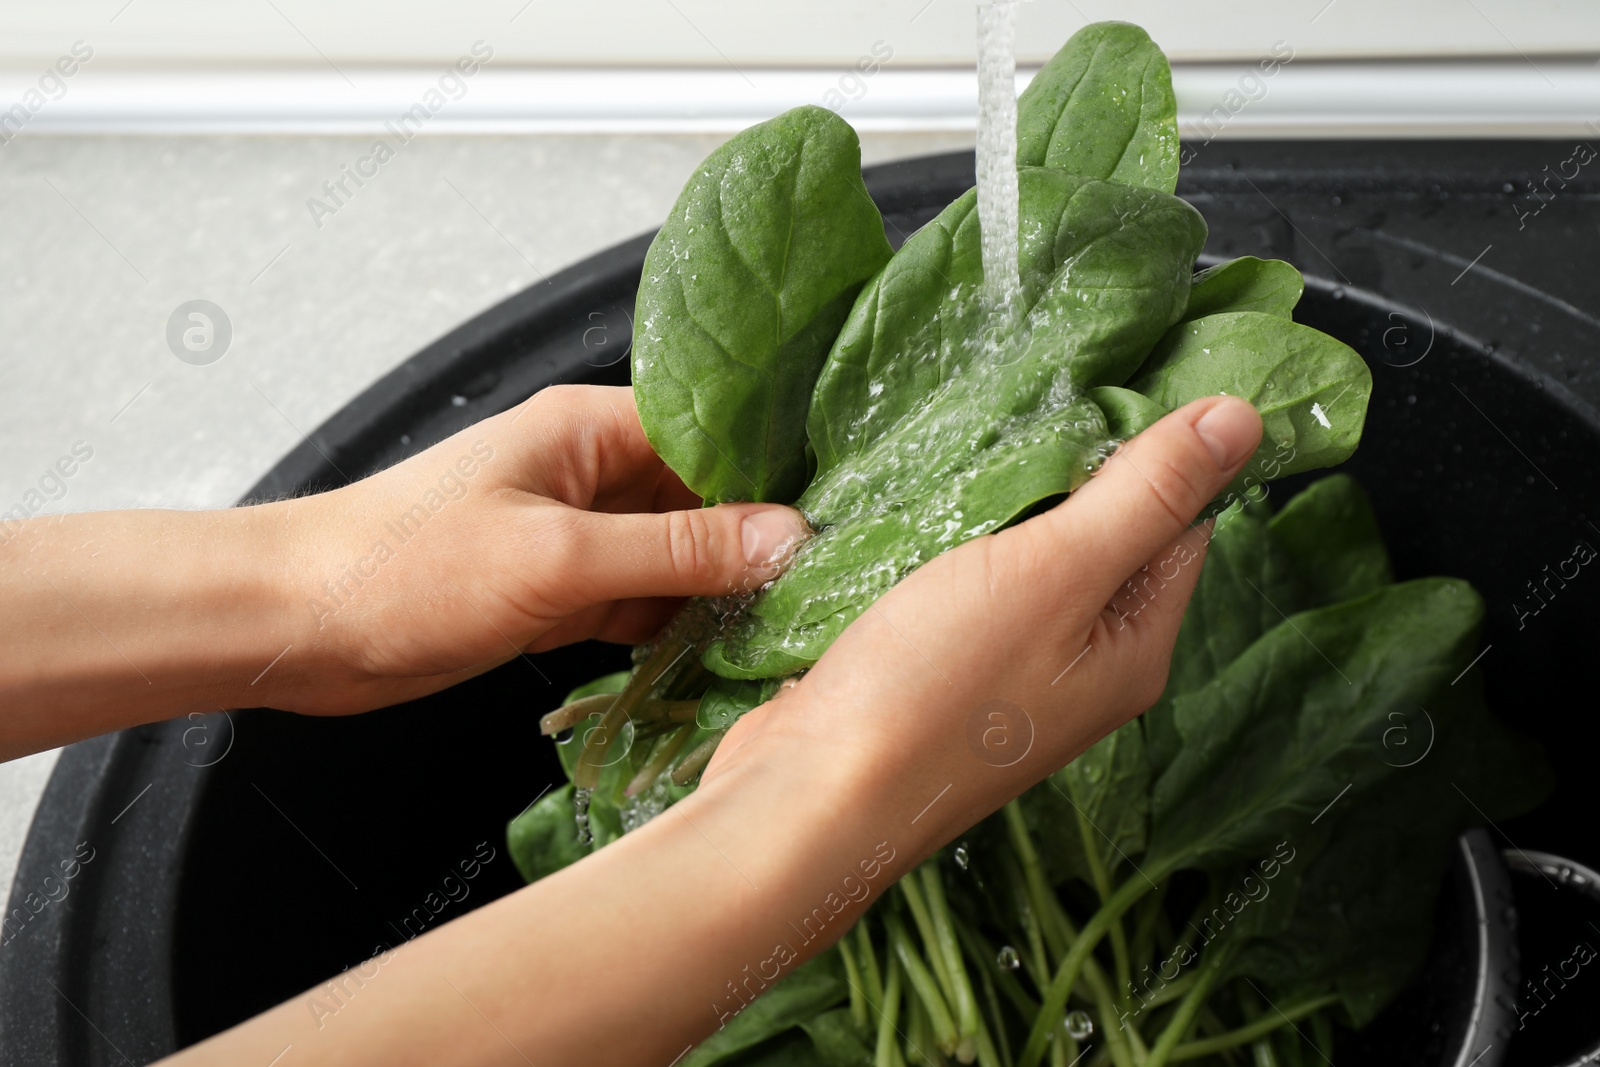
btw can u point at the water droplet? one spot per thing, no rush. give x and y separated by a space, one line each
1008 959
1079 1025
962 857
458 401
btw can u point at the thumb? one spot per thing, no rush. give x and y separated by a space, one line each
714 551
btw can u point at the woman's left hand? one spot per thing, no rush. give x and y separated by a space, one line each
548 524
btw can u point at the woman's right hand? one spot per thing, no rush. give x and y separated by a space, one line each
1000 661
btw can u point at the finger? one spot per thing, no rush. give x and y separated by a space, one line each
1149 492
694 552
1140 625
582 444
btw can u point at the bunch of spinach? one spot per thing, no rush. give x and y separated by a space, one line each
784 354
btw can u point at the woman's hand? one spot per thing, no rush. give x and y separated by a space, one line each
818 801
548 524
999 662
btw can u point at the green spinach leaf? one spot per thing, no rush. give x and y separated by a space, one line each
1298 717
1101 278
1127 412
1107 791
544 839
963 451
1310 389
1103 107
1269 286
743 291
806 992
1331 534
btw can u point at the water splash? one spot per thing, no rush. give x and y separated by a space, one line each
997 151
962 856
580 804
1007 958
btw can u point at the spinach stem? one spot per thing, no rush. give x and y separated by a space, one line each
852 975
691 765
981 950
1102 886
659 760
997 1021
1066 976
911 892
598 741
869 963
887 1053
1322 1034
1250 1032
965 1002
569 715
1211 970
924 986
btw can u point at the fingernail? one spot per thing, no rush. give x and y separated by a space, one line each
1230 431
770 538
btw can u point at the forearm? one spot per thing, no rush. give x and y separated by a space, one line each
627 957
120 618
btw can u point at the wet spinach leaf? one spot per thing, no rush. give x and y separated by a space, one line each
544 839
1101 278
1269 286
743 292
1297 717
1106 792
971 443
803 994
1310 389
1103 107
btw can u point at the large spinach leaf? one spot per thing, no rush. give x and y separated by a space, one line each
801 996
1100 269
1098 805
1331 535
1298 716
743 291
1362 924
1310 389
1103 107
1270 286
967 448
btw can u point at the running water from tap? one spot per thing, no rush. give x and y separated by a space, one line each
997 152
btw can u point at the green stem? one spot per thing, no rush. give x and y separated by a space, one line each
1102 886
858 999
887 1053
964 1001
695 762
1146 914
911 892
997 1021
1250 1032
984 953
924 985
1322 1034
1066 976
598 741
569 715
869 963
1211 969
666 751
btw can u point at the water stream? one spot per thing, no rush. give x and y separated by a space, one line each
997 151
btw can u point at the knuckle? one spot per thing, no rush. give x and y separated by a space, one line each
691 546
563 541
1172 488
